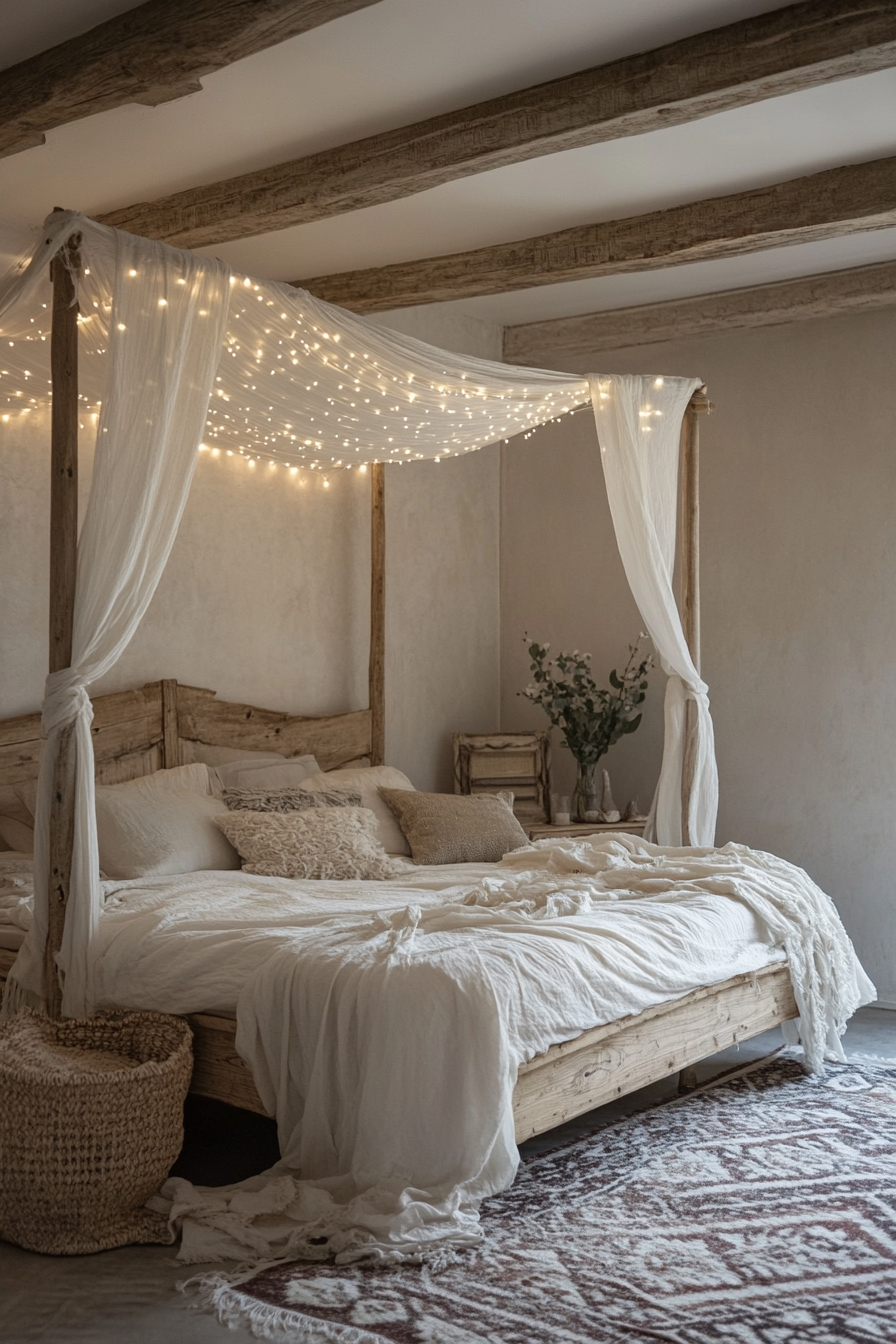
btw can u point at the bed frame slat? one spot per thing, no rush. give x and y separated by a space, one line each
137 732
333 740
568 1079
612 1061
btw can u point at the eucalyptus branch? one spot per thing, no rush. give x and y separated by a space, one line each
591 717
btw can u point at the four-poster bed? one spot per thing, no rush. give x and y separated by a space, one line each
137 732
508 997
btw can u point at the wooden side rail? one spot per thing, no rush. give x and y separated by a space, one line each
568 1079
622 1056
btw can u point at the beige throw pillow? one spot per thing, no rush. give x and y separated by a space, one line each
326 843
368 783
16 835
456 828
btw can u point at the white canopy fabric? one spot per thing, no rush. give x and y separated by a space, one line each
298 381
158 383
177 352
639 430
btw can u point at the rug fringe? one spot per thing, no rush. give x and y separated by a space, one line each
216 1294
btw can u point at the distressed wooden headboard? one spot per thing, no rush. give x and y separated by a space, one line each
137 732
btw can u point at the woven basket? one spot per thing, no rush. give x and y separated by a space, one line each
91 1121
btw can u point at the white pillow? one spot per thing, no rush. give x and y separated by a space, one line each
367 783
280 774
161 824
209 755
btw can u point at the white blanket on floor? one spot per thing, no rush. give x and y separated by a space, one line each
388 1046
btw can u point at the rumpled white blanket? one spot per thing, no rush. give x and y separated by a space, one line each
388 1046
16 890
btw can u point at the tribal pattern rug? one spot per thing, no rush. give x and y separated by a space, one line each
760 1210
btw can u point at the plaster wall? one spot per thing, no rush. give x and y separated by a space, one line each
266 595
798 478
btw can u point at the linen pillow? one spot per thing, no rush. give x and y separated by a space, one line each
17 835
287 800
457 828
367 782
283 774
161 824
206 754
323 843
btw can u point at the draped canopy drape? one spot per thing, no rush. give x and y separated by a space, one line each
178 353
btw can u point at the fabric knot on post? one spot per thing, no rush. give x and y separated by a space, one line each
65 700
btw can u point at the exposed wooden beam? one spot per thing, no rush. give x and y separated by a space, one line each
853 199
789 49
151 54
572 342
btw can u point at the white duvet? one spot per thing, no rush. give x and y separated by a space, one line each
384 1023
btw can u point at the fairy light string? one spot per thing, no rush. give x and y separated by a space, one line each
301 385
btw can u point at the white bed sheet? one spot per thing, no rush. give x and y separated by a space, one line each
384 1022
16 892
191 943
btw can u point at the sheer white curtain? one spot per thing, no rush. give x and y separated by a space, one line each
638 428
169 313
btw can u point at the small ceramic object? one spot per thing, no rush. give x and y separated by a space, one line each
631 813
608 807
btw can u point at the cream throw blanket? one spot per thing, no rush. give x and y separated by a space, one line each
388 1047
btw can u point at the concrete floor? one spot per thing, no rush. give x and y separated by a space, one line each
128 1296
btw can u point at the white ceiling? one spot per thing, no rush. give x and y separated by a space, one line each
401 60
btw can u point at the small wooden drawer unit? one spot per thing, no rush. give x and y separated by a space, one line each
584 828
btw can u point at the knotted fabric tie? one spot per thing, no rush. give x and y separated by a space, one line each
65 700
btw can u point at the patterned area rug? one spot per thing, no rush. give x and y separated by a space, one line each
761 1210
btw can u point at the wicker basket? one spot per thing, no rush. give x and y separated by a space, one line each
91 1121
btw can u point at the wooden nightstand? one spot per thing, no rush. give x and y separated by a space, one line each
544 832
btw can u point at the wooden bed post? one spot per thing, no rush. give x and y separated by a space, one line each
63 558
377 666
689 578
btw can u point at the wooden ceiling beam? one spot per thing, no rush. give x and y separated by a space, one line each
572 342
152 54
854 199
789 49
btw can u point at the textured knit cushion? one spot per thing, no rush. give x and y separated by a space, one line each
161 824
456 828
325 842
288 800
368 783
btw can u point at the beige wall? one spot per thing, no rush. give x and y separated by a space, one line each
799 618
266 595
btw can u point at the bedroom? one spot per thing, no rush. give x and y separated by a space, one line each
797 556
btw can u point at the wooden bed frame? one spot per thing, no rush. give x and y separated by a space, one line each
137 732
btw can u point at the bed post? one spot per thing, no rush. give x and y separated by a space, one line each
377 666
170 725
63 557
689 577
